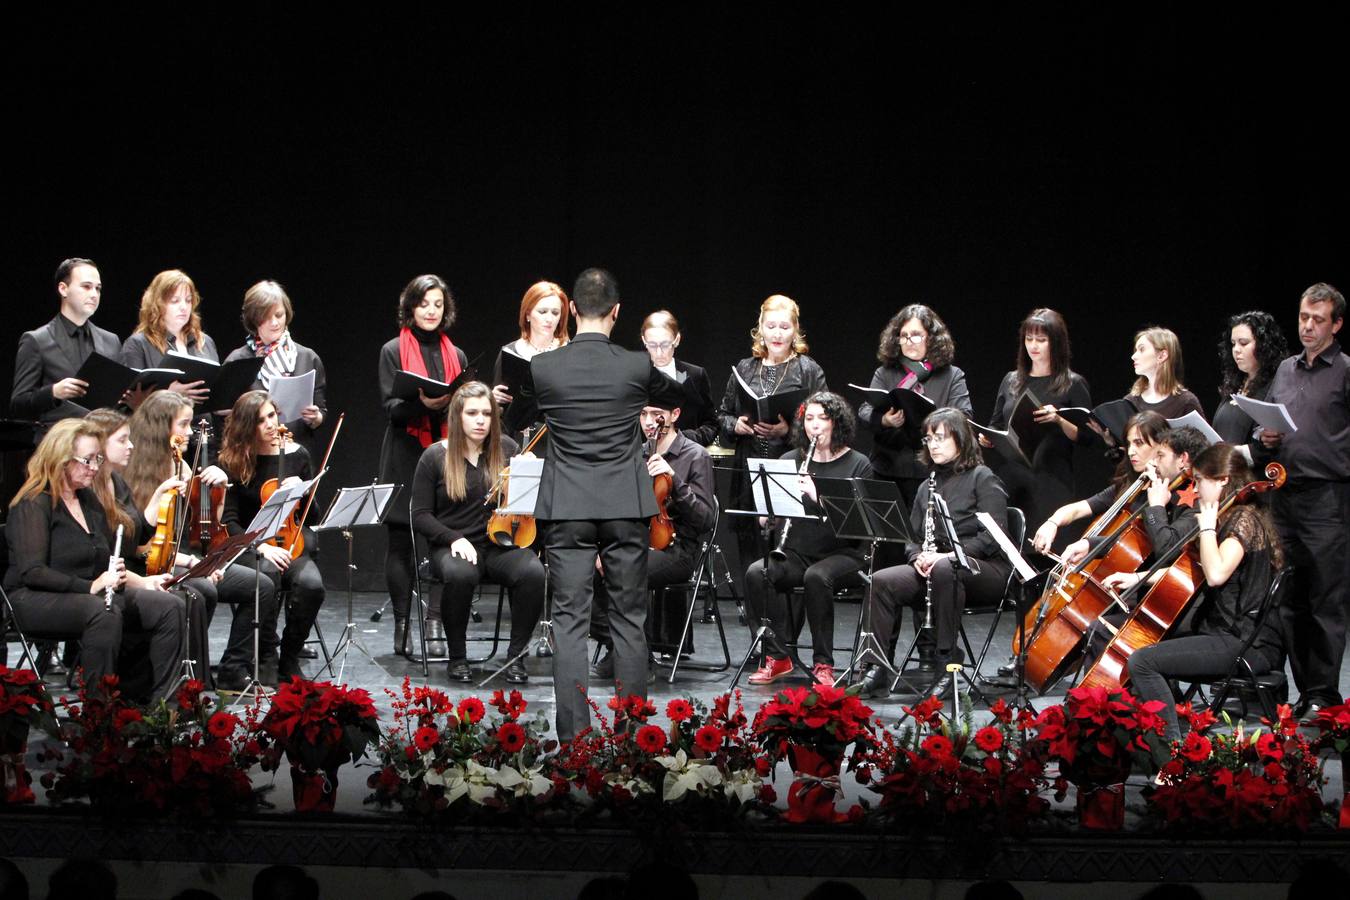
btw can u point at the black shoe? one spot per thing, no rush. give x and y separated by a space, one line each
604 666
651 674
289 667
231 681
516 674
459 671
1008 669
308 652
874 683
1301 707
436 638
942 687
928 661
400 636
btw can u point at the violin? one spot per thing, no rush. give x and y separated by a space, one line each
511 529
289 533
297 541
662 530
1167 599
163 547
208 501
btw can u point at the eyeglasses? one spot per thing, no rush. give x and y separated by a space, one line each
89 462
659 346
929 440
914 337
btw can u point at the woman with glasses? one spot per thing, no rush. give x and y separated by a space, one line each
698 416
62 577
916 352
543 327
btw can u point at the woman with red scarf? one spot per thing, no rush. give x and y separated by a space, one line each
426 310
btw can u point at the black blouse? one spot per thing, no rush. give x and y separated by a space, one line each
243 500
443 521
966 493
815 539
1231 607
49 551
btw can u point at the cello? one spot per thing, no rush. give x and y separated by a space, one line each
511 529
1166 600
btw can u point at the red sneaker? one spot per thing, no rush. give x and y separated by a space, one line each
771 671
823 673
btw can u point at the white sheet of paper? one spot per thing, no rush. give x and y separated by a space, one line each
1024 571
1197 421
782 479
291 394
1271 416
523 488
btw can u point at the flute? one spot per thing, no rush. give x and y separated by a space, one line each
112 570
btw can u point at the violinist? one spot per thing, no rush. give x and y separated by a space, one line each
661 336
812 556
253 452
170 321
426 310
164 418
916 352
267 316
1239 553
62 576
690 507
952 453
450 509
543 327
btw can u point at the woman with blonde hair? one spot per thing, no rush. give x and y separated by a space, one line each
62 577
170 322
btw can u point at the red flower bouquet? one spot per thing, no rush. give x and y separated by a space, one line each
1333 723
24 705
317 727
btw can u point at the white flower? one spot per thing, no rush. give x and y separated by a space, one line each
482 782
684 775
521 784
743 785
451 778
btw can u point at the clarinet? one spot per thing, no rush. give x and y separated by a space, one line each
112 569
929 546
778 552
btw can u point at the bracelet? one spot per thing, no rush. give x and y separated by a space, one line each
1203 530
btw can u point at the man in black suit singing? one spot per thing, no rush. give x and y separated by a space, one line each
595 497
45 387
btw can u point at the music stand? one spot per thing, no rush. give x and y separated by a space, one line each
869 510
354 507
522 493
1024 574
773 484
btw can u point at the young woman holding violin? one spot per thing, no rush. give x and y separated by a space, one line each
62 575
1239 552
255 452
543 327
812 556
426 310
450 489
161 423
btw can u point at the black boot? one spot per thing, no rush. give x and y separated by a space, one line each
874 683
400 636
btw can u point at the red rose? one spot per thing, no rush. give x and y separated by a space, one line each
989 739
650 739
425 738
708 738
471 709
126 717
1001 711
222 724
679 710
511 737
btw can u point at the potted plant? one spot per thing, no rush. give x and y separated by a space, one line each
317 727
24 705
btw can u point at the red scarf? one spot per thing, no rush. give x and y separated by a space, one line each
410 360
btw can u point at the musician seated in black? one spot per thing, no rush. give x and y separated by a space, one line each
60 545
691 510
449 489
813 557
952 454
1239 554
253 453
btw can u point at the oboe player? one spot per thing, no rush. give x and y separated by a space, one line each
930 582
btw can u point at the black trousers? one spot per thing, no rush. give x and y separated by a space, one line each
903 586
236 589
516 568
572 547
673 565
1185 658
1314 524
398 569
819 579
303 580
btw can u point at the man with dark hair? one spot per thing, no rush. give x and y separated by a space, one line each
1312 510
45 386
595 497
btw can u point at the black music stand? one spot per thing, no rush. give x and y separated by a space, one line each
766 483
216 559
865 509
355 507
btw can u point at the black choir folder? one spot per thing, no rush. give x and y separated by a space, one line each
406 384
226 383
109 379
1111 415
767 409
915 406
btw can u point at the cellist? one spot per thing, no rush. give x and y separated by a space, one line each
449 508
1239 553
691 510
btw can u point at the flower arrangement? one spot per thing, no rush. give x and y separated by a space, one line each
442 758
958 776
186 757
317 727
1239 781
24 705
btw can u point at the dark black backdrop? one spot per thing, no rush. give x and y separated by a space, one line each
1125 169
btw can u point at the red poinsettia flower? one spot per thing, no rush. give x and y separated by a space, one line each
989 739
425 738
471 709
222 724
650 739
511 737
679 710
709 738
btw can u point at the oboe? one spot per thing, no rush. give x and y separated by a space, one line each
929 546
112 570
778 552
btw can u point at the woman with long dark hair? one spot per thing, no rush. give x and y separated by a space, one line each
1250 350
449 488
916 352
426 310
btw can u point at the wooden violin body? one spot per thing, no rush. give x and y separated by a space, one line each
290 534
511 529
163 546
662 529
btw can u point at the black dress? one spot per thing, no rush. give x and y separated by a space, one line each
306 360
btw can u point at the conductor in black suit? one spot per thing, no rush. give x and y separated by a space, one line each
45 387
595 496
